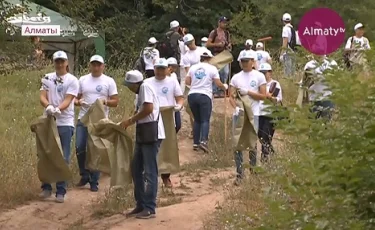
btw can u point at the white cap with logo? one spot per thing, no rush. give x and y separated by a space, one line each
287 17
265 67
359 25
204 39
248 54
172 61
97 58
259 45
60 55
174 24
132 77
152 40
188 38
161 62
249 42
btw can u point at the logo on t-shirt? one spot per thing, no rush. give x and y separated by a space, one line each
259 56
253 83
59 88
99 88
164 90
200 73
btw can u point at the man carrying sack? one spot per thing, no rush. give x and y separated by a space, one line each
170 95
92 87
247 88
149 135
56 96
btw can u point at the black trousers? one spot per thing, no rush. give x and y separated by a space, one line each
265 135
150 73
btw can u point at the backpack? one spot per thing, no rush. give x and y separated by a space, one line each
165 47
294 40
216 49
140 64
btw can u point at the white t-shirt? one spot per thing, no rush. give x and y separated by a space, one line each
287 33
192 57
183 47
319 91
250 81
57 88
147 95
360 43
166 90
242 51
93 88
262 106
149 55
202 75
262 57
174 76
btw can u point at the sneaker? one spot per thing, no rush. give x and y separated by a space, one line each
195 147
167 182
145 214
134 212
204 147
94 188
82 182
45 194
59 198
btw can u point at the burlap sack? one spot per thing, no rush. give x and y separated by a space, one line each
168 158
51 164
98 149
222 59
244 134
186 103
121 154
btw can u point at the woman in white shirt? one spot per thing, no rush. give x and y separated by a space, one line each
266 124
200 77
150 53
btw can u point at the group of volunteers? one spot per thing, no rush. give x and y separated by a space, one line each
167 67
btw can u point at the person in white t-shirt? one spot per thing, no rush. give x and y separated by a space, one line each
266 124
252 83
149 135
204 42
356 45
169 94
319 92
172 67
200 78
248 47
57 97
192 56
262 55
92 87
150 53
287 56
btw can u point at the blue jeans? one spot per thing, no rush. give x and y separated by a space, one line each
289 64
201 107
145 175
224 73
81 147
66 134
238 155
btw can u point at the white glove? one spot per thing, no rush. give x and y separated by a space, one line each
49 109
281 58
238 110
84 104
244 92
56 111
225 86
177 108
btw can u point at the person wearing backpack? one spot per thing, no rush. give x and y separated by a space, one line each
290 43
149 55
218 41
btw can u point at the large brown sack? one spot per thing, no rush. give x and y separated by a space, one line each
121 154
97 155
51 164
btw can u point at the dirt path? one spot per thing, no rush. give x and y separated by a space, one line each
194 196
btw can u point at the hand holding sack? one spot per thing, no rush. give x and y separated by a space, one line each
244 92
178 108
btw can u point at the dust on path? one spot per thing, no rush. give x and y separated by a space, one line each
198 194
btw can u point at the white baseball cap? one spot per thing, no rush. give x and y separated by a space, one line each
161 62
188 38
204 39
132 77
206 53
248 54
152 40
97 58
60 55
172 61
249 42
265 67
287 17
259 45
174 24
359 25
